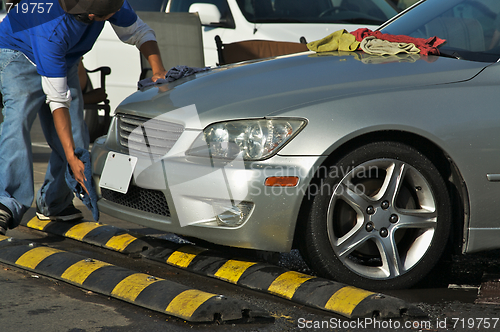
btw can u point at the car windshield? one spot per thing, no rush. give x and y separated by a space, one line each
373 12
471 28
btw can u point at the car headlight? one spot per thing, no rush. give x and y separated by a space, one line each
253 139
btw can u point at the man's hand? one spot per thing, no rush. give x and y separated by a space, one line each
78 169
62 122
151 52
160 75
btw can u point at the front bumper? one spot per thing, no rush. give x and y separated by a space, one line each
184 195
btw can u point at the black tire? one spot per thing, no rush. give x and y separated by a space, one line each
380 219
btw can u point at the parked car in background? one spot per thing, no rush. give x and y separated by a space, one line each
372 166
281 20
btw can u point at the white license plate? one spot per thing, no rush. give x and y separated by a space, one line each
117 172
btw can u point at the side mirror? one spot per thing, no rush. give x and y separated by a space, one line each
209 13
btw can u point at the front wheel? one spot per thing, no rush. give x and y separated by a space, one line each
380 218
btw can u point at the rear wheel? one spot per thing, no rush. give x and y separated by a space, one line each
380 219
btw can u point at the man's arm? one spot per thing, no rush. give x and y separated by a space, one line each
62 122
151 52
143 37
59 100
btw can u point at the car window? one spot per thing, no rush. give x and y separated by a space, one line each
471 28
148 6
317 11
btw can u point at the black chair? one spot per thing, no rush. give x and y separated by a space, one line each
96 124
255 49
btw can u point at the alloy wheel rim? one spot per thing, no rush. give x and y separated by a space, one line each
381 218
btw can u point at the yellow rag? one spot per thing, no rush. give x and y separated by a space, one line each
340 40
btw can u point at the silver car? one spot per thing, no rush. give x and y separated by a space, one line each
373 166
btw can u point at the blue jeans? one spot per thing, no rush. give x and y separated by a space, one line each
23 98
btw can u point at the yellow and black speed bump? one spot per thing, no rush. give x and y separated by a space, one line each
141 289
308 290
94 233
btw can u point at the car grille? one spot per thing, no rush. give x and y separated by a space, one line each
153 137
147 200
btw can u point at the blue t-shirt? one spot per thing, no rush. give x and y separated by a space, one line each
52 39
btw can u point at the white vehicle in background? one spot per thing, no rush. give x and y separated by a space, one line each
281 20
235 20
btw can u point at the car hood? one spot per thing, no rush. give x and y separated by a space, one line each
273 87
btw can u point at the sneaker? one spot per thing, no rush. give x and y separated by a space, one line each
70 213
5 219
